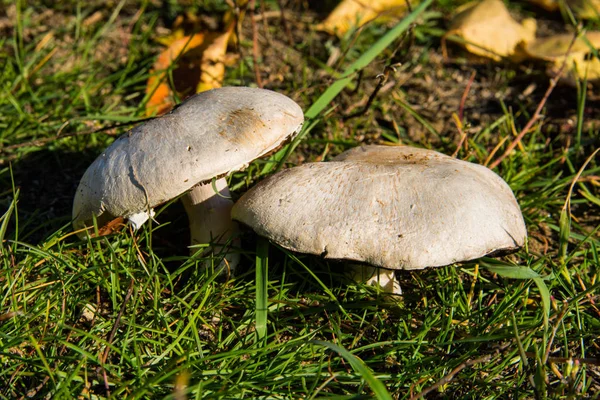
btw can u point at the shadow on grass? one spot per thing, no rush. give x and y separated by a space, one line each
47 181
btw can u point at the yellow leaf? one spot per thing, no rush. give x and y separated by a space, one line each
233 16
580 61
200 66
189 22
549 5
213 61
161 97
586 9
490 31
350 13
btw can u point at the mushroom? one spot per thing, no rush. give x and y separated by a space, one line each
389 207
209 136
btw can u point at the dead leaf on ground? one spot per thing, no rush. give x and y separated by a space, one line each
548 5
351 13
199 65
586 9
489 30
161 98
580 60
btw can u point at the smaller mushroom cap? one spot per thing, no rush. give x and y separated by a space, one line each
209 135
391 207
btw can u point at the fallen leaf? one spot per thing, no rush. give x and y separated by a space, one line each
580 60
213 61
356 13
548 5
489 30
586 9
113 226
235 15
194 62
161 98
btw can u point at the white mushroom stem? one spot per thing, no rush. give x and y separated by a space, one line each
373 276
209 212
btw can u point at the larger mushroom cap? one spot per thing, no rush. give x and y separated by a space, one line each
209 135
391 207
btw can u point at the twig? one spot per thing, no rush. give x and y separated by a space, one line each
382 80
561 315
451 375
112 336
359 78
461 109
537 114
251 6
265 22
463 99
461 132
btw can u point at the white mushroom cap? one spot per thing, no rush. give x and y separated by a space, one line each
209 135
391 207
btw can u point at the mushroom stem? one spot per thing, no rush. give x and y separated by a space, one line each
209 212
373 276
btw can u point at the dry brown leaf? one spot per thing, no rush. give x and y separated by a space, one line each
161 97
213 61
580 63
200 66
350 13
490 30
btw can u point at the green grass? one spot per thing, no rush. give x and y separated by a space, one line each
132 315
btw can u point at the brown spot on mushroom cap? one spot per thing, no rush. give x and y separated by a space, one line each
243 119
417 208
382 155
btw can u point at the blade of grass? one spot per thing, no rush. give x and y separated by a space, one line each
581 97
365 59
513 271
262 270
520 272
5 219
416 115
545 294
359 366
565 218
